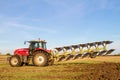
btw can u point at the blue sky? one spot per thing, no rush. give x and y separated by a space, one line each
59 22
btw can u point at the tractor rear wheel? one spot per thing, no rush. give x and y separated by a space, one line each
15 61
40 59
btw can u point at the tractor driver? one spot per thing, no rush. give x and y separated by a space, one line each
33 46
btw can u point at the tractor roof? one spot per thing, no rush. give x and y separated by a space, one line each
36 41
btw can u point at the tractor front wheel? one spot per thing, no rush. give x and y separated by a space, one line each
15 61
40 59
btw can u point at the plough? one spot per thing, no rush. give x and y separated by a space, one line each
82 50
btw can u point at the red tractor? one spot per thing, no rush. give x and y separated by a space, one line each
37 53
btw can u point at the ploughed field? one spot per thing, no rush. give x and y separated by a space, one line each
99 68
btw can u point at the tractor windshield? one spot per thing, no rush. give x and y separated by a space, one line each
42 45
34 45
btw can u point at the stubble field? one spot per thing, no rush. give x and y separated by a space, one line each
99 68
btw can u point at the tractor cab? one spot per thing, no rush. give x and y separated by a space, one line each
35 45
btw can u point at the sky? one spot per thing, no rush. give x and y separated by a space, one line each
59 22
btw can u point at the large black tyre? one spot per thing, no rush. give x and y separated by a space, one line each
15 61
40 59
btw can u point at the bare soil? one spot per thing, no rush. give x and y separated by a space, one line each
104 71
101 68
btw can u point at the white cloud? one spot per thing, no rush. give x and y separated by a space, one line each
17 25
31 28
11 25
12 32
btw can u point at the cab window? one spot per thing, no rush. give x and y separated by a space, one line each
36 45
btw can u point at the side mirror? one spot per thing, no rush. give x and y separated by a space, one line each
24 42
